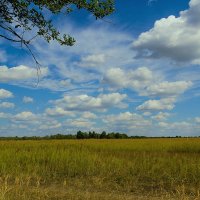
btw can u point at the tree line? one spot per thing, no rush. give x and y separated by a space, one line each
85 135
103 135
78 135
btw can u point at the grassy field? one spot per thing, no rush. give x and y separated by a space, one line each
100 169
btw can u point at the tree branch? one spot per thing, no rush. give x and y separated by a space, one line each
10 39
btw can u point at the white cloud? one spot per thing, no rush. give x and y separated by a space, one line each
163 124
144 81
183 128
147 83
5 94
80 123
88 115
20 72
58 111
161 116
92 60
173 37
116 77
25 116
92 49
182 125
86 103
53 124
197 119
135 79
167 88
126 121
125 117
146 114
55 85
162 104
7 105
81 68
27 99
167 91
4 115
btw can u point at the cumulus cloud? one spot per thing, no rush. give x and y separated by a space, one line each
4 115
7 105
85 102
122 117
5 94
184 128
182 125
80 123
126 121
135 79
162 104
20 72
176 38
147 114
27 99
53 124
161 116
89 115
149 84
168 93
167 88
84 64
25 116
58 112
145 82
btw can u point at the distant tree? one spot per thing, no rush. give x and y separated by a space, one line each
60 136
90 134
82 135
124 136
117 135
111 135
103 135
79 135
95 135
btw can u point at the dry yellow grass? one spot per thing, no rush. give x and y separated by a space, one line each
100 169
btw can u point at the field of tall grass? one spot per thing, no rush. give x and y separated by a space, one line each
100 169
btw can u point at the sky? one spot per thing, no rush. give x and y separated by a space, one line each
136 72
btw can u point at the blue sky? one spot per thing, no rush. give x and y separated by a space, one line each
137 73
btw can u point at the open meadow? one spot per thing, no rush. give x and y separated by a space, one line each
100 169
